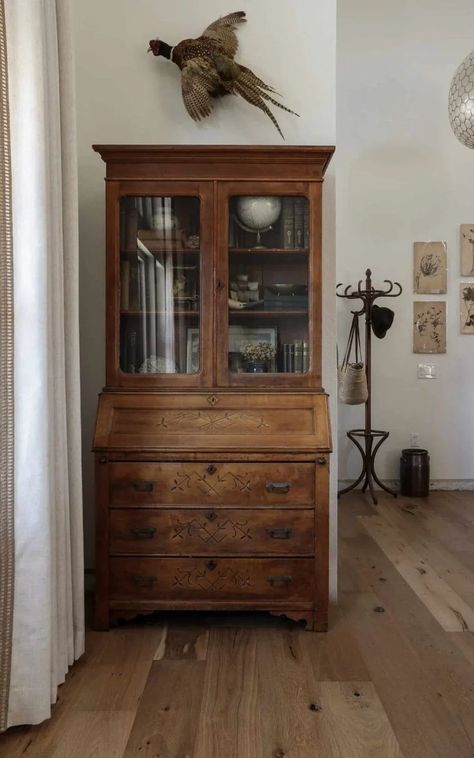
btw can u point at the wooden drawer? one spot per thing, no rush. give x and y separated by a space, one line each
212 532
265 579
211 483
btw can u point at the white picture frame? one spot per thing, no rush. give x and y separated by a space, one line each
192 350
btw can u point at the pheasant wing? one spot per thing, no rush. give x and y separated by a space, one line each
198 80
223 31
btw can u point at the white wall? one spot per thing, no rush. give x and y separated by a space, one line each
127 96
402 176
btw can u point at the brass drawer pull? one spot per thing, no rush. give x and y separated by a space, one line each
142 485
283 533
144 581
144 532
279 579
280 487
321 461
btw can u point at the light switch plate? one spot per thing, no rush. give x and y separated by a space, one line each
427 371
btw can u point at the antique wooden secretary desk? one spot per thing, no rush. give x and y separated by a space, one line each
212 439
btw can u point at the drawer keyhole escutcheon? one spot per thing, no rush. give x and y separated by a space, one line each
211 516
211 469
211 565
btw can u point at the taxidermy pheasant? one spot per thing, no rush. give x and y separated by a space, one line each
208 70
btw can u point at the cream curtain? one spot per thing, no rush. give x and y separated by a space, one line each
48 618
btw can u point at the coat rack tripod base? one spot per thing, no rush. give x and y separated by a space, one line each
371 439
368 453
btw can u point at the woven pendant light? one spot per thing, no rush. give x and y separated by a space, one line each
461 102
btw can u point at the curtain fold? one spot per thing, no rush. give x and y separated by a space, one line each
7 545
48 616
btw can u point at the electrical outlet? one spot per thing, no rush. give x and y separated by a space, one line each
414 439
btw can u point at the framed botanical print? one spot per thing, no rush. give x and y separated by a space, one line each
467 249
466 298
430 268
429 326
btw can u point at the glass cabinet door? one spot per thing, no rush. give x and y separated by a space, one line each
161 288
269 338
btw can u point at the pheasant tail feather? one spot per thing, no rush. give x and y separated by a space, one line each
255 91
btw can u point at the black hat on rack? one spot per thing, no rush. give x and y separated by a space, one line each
382 320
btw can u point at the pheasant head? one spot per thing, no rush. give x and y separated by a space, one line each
158 47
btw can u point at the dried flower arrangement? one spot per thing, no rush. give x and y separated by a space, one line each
258 351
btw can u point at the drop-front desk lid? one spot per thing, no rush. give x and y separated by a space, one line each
237 421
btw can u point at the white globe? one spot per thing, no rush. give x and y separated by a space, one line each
258 213
461 102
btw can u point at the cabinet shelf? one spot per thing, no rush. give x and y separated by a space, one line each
269 250
182 251
159 313
277 312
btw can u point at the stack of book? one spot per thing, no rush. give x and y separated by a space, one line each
294 223
295 357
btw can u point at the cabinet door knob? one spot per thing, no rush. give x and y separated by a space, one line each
211 565
280 487
220 284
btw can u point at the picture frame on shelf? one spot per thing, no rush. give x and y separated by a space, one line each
240 335
192 350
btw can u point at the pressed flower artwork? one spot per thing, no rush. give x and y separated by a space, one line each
429 327
467 249
467 307
430 268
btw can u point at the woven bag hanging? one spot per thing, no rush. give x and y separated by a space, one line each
352 378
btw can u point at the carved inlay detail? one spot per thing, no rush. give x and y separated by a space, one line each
217 532
204 580
186 480
212 399
203 421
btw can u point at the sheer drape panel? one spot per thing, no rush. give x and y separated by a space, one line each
7 545
48 603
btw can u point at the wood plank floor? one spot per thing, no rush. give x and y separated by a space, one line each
393 678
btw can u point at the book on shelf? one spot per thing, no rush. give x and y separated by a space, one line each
287 223
295 357
306 224
298 356
299 204
158 241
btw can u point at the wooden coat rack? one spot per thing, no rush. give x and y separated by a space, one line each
372 438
